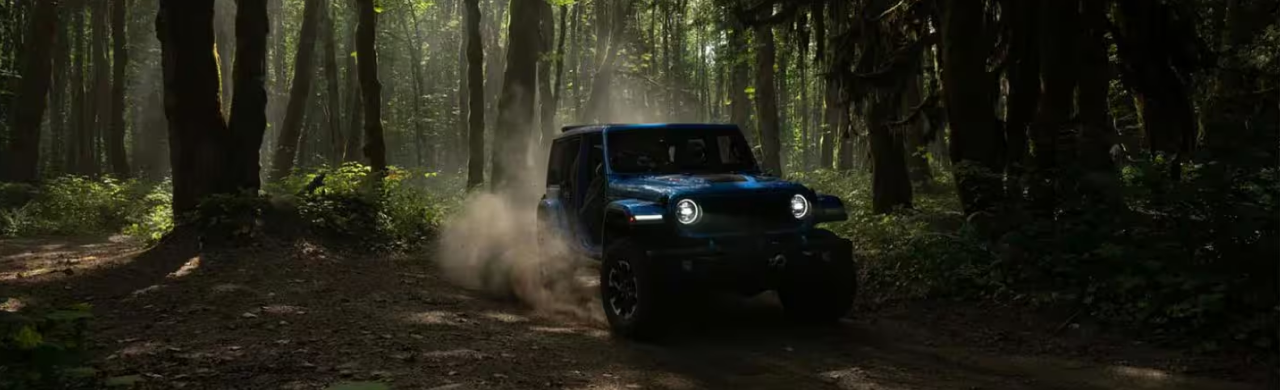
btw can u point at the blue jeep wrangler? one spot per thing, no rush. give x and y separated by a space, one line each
667 206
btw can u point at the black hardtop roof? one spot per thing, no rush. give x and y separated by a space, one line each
593 128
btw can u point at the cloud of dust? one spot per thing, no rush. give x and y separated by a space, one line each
491 246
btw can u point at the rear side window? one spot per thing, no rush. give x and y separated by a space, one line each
563 152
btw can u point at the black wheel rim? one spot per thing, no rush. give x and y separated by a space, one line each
623 291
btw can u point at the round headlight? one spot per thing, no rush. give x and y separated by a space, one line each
799 206
687 211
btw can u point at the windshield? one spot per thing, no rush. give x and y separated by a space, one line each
670 151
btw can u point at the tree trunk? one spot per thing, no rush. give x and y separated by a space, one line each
739 101
1148 70
249 104
355 107
1100 182
415 54
76 140
976 139
767 100
101 116
558 90
579 42
291 132
546 102
115 140
475 94
197 132
334 97
515 109
890 185
59 120
1024 90
917 161
496 64
224 39
375 147
600 106
24 147
837 111
1058 25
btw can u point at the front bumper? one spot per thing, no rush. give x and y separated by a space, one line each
749 264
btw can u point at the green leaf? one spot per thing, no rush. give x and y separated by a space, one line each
377 9
358 386
27 338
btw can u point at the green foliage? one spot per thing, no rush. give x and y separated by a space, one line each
71 205
402 210
1188 260
43 348
906 254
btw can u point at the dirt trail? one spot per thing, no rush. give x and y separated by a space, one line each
298 316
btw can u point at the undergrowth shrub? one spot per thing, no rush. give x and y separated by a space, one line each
71 205
401 211
43 348
1188 260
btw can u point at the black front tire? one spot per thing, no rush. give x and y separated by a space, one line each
634 302
821 290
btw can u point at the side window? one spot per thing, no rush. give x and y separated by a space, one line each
563 152
728 154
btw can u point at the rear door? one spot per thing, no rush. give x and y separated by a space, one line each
561 183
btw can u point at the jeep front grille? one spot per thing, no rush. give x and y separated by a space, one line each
745 214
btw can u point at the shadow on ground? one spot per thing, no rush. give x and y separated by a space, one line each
296 314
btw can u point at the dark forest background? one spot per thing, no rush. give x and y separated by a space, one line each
1116 159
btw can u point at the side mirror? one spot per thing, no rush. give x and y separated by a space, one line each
829 209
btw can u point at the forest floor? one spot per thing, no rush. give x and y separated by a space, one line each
298 315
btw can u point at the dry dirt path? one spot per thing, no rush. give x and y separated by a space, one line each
298 316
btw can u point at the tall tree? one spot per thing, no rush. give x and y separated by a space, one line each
100 118
739 100
333 97
1099 181
224 40
976 139
115 136
475 94
375 147
516 105
59 120
291 132
1058 23
546 102
81 151
558 89
1153 64
249 104
355 107
24 148
886 75
197 131
767 99
1023 78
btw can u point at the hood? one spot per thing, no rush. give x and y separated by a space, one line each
658 187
